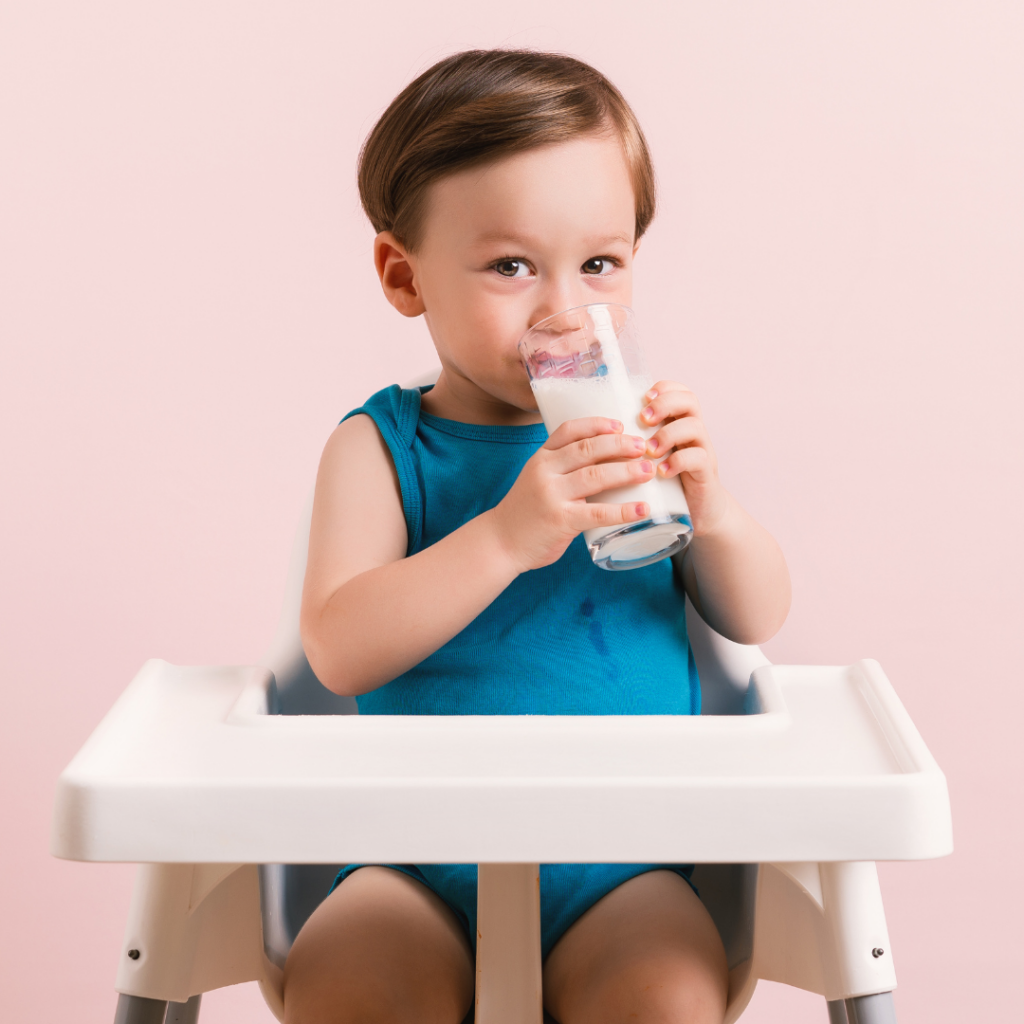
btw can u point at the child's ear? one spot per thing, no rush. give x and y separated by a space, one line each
397 272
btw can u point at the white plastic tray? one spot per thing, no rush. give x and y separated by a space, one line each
188 767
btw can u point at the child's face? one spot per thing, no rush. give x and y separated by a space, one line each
510 243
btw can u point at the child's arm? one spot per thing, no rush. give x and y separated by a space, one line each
369 613
733 570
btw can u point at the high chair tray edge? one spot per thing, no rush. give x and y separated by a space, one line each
191 765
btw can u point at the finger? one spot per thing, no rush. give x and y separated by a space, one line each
679 433
695 462
663 387
604 476
576 430
670 405
585 515
602 448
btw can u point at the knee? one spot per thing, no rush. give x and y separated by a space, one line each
367 996
682 1001
316 997
661 992
310 998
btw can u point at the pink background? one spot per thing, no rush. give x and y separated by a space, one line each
188 306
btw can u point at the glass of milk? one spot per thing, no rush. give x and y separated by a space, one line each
587 362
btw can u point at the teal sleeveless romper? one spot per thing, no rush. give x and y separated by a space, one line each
567 639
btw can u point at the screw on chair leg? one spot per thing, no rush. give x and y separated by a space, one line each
837 1012
183 1013
876 1009
139 1010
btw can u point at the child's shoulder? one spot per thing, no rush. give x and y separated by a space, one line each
394 404
355 446
394 411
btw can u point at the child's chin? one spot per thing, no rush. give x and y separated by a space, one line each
523 401
517 395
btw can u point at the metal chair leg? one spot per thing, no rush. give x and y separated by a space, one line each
837 1012
139 1010
183 1013
876 1009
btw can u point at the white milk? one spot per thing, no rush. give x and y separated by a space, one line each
618 397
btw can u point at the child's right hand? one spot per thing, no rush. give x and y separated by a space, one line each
547 507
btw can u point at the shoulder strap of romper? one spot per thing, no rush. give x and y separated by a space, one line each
396 411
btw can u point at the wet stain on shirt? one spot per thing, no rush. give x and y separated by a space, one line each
596 632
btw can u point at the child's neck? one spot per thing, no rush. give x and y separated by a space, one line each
455 397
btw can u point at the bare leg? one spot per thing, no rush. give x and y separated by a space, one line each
648 953
381 948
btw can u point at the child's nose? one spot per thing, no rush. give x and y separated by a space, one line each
556 298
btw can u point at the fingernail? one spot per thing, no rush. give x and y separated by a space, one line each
653 444
648 413
652 394
663 468
616 425
639 444
641 509
646 467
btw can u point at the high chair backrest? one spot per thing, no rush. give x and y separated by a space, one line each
299 691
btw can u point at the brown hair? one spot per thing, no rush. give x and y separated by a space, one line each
478 106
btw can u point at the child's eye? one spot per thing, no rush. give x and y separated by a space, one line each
599 265
512 268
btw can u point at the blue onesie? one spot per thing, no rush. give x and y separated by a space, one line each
568 639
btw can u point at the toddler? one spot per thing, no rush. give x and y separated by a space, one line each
446 570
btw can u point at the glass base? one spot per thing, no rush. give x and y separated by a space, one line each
640 544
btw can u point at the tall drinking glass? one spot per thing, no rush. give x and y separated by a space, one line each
587 362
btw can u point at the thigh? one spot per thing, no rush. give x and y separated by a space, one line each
382 947
648 952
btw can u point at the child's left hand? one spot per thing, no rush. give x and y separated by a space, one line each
684 437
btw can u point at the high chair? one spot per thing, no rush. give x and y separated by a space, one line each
240 790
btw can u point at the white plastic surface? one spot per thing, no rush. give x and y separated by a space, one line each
191 928
853 908
817 927
187 768
508 963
